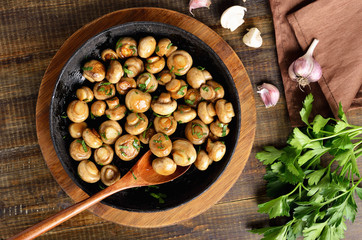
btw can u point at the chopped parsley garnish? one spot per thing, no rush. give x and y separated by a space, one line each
105 84
139 117
188 101
166 137
117 106
136 144
180 122
180 91
180 69
144 132
124 154
177 74
83 145
144 85
104 136
101 89
159 196
134 176
200 68
134 49
92 116
109 93
161 147
119 44
64 115
171 68
157 141
224 128
218 88
169 45
199 135
157 115
126 71
205 88
87 68
108 116
157 48
121 147
148 66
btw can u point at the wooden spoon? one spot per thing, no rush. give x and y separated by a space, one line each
141 174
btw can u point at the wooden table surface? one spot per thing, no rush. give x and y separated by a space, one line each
31 32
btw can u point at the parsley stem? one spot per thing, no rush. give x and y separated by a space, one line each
357 144
337 134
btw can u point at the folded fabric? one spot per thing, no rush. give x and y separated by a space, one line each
337 24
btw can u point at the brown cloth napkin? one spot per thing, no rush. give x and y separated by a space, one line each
338 26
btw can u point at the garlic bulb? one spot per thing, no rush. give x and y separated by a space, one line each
269 94
194 4
253 38
233 17
306 69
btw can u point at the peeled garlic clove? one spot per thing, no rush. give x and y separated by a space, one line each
269 94
253 38
233 17
194 4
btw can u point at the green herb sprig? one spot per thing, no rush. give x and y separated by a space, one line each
317 199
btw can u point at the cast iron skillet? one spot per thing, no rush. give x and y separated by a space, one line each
183 189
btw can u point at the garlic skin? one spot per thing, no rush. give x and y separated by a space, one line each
253 38
269 94
233 17
194 4
306 69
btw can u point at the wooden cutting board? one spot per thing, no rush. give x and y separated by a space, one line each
248 116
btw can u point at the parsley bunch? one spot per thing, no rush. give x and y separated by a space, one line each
317 198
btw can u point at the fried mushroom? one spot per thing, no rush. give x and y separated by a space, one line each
224 111
165 76
103 155
116 113
104 90
110 130
216 150
147 134
164 105
219 129
206 112
164 166
160 145
177 88
197 132
136 123
146 46
127 147
76 129
218 89
147 82
207 92
98 108
114 72
85 94
165 47
88 171
79 150
92 138
155 64
183 152
110 174
192 97
94 71
179 62
138 101
197 76
166 125
125 84
77 111
184 114
108 54
126 47
133 66
202 161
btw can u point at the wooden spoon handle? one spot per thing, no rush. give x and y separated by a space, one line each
71 211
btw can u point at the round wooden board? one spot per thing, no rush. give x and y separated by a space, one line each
248 116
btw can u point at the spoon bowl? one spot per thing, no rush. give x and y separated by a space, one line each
140 175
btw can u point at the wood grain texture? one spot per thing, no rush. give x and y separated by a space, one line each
31 32
248 116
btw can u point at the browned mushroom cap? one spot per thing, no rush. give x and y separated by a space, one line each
116 113
197 76
94 71
177 88
147 82
207 92
164 105
103 155
164 166
79 150
136 123
224 111
206 112
160 145
112 102
202 161
147 134
146 46
155 64
165 76
98 108
219 129
77 111
109 175
138 101
125 85
127 147
76 129
179 62
166 125
92 138
219 90
126 47
184 114
196 131
183 152
85 94
114 72
192 97
216 150
213 137
88 171
165 47
133 66
110 130
104 90
108 54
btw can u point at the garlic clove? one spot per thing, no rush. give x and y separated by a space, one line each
194 4
269 94
253 38
233 17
